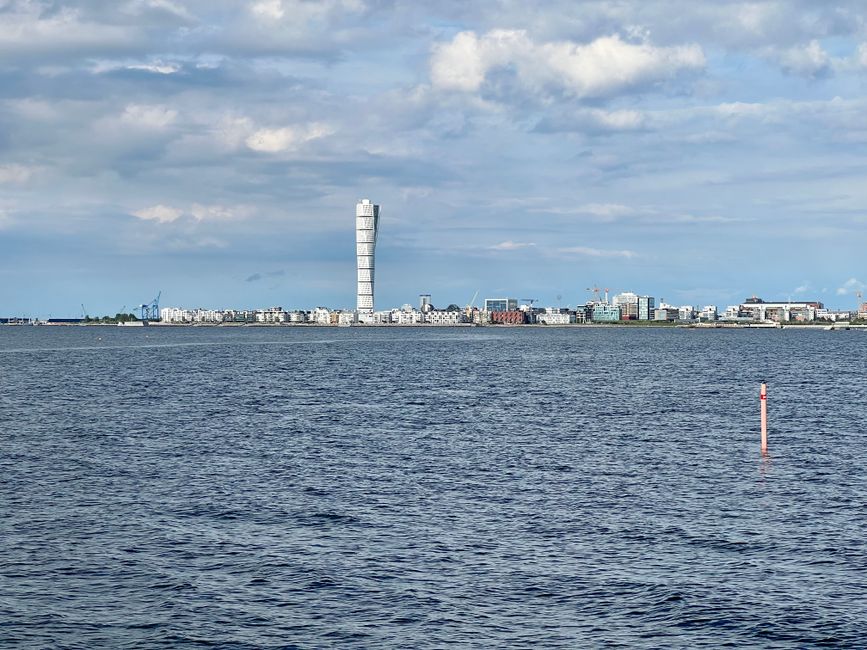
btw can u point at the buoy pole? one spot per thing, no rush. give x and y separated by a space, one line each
763 400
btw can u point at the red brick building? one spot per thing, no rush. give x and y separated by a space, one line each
509 317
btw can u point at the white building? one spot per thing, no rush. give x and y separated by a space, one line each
551 317
708 313
272 315
780 311
347 318
298 317
686 312
320 316
407 317
382 318
628 303
207 316
440 317
366 228
174 315
828 314
182 316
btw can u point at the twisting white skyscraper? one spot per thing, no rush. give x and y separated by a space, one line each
366 225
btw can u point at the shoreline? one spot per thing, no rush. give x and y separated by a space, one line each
643 325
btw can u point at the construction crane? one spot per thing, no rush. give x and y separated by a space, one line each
595 290
84 312
471 304
529 301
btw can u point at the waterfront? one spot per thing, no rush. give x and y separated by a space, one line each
265 487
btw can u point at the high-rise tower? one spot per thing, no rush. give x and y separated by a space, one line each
366 225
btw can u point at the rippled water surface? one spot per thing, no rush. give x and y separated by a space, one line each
250 487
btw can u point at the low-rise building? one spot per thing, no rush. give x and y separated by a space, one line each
837 315
734 312
514 317
382 317
239 316
779 311
272 315
320 316
708 313
605 313
556 318
665 313
686 312
347 318
188 316
406 316
442 317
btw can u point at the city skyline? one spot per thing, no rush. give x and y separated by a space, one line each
697 152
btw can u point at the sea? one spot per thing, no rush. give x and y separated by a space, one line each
496 487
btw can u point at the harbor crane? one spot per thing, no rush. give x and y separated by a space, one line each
151 311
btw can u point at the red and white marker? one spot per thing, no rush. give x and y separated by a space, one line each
763 400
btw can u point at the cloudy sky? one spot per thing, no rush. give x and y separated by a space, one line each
700 152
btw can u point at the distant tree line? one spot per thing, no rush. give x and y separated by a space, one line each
117 318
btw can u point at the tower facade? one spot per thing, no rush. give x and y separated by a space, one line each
366 226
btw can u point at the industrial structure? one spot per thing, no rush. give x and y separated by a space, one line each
149 311
366 227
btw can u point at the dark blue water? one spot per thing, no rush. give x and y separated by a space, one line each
247 488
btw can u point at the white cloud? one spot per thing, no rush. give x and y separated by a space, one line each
286 138
623 120
148 117
596 252
602 211
15 174
272 9
142 6
158 68
159 213
804 288
198 211
807 61
851 286
607 210
511 246
217 212
303 11
32 28
602 67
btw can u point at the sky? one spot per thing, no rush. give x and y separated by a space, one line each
214 150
